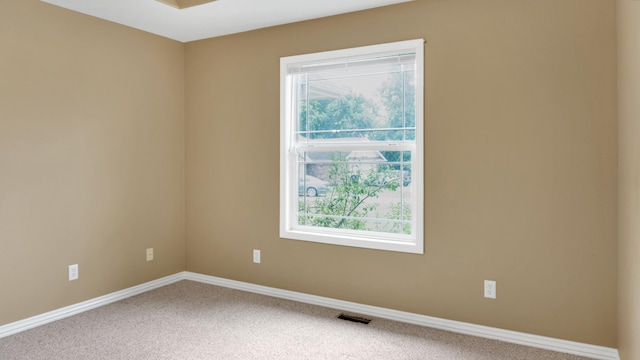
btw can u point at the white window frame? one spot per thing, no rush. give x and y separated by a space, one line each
289 229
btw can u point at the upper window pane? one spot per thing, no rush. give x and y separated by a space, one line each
373 98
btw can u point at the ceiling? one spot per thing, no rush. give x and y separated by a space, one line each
215 18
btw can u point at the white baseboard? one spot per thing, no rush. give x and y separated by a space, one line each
32 322
542 342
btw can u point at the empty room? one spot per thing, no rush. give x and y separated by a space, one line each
458 178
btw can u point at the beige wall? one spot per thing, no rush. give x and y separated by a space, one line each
91 157
629 172
521 146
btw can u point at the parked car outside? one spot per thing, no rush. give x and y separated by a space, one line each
406 177
311 186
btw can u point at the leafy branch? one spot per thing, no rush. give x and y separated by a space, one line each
345 205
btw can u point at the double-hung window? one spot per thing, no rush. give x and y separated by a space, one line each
351 162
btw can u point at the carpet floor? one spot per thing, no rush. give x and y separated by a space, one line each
189 320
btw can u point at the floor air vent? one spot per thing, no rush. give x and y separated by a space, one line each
356 319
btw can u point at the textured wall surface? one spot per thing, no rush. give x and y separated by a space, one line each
629 172
91 157
521 175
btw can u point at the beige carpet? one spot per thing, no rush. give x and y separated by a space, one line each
189 320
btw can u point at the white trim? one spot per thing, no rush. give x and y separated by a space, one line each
42 319
536 341
290 149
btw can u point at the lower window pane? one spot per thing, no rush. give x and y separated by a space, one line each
358 190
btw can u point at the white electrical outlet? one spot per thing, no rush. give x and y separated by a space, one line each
490 289
149 254
256 256
73 272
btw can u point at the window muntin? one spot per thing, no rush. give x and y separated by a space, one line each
351 147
